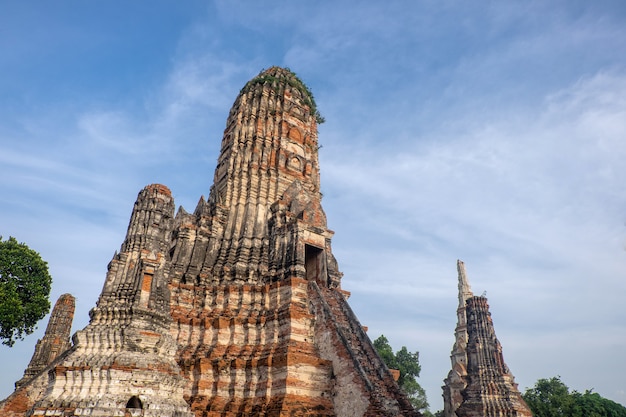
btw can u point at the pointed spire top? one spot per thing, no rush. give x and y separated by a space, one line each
465 291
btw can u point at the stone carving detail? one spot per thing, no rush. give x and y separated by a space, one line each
480 383
235 309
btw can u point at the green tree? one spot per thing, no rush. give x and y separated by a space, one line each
24 290
591 404
552 398
408 365
549 398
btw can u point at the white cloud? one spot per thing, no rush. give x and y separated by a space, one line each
533 203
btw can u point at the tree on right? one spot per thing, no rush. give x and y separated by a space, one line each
552 398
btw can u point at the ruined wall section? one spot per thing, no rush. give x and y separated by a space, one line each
56 339
363 386
24 397
491 389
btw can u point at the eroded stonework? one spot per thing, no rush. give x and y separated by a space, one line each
55 342
235 309
56 339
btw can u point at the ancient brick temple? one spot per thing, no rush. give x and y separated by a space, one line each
235 309
479 384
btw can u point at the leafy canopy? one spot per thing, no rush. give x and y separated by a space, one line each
24 290
552 398
408 365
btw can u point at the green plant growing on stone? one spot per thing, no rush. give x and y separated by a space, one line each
294 82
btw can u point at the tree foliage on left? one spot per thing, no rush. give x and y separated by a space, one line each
24 290
409 366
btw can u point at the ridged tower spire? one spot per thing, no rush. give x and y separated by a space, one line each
456 380
268 159
479 384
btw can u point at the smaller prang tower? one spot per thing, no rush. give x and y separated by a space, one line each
123 363
479 384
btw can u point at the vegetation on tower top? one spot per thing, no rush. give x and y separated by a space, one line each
276 76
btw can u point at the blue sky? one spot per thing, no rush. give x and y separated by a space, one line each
494 133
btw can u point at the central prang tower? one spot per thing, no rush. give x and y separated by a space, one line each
262 324
265 196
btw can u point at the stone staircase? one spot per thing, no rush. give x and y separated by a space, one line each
372 372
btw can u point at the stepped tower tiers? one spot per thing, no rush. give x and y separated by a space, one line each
123 362
489 388
235 309
457 377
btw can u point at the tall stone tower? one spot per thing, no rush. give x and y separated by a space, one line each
262 324
491 389
480 384
235 309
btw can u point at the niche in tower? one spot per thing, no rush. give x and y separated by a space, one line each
314 264
134 403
